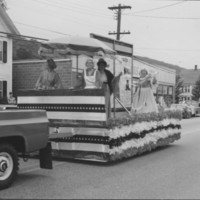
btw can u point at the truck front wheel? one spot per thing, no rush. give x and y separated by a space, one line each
8 165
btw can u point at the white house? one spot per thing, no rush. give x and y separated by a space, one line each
7 32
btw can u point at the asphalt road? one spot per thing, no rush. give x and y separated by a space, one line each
167 173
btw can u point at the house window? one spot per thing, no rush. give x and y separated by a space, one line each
160 89
3 89
3 51
170 90
164 89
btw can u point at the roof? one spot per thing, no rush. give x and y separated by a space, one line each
8 22
156 63
159 63
190 76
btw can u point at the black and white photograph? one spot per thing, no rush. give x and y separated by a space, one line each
99 99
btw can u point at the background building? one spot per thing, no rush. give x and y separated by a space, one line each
189 76
7 31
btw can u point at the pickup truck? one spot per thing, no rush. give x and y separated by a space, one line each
22 132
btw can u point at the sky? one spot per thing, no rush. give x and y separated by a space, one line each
165 30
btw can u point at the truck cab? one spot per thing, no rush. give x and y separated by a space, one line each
22 132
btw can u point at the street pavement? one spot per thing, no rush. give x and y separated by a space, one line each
168 173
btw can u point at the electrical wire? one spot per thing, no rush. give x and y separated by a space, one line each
42 28
170 50
79 6
163 17
70 9
181 0
158 8
73 19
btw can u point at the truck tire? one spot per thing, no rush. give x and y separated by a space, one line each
8 165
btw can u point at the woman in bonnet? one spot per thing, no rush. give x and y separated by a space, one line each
144 100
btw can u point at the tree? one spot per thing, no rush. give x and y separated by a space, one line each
25 49
178 87
23 53
196 90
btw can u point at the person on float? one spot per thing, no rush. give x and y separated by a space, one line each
11 99
143 99
49 79
91 75
106 78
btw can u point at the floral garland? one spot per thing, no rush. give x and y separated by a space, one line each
143 117
133 135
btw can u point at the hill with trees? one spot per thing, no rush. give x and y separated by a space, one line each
25 49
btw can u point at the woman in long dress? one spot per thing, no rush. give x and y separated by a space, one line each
144 100
49 79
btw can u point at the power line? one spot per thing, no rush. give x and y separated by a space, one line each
69 9
163 17
172 50
158 8
181 0
79 6
42 28
73 19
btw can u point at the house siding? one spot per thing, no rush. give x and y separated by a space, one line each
6 68
6 26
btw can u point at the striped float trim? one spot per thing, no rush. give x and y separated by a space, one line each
61 100
77 116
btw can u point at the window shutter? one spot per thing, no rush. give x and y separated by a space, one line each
4 88
5 52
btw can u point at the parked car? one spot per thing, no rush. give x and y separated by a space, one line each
194 105
186 110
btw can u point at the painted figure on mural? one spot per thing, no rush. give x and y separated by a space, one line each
127 87
143 99
49 79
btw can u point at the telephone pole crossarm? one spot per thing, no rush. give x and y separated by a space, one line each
114 33
119 7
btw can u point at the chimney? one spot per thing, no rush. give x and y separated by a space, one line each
195 67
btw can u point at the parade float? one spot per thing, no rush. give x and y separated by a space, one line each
78 124
79 127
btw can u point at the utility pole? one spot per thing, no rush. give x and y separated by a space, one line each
119 9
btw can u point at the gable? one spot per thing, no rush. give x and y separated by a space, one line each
6 24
